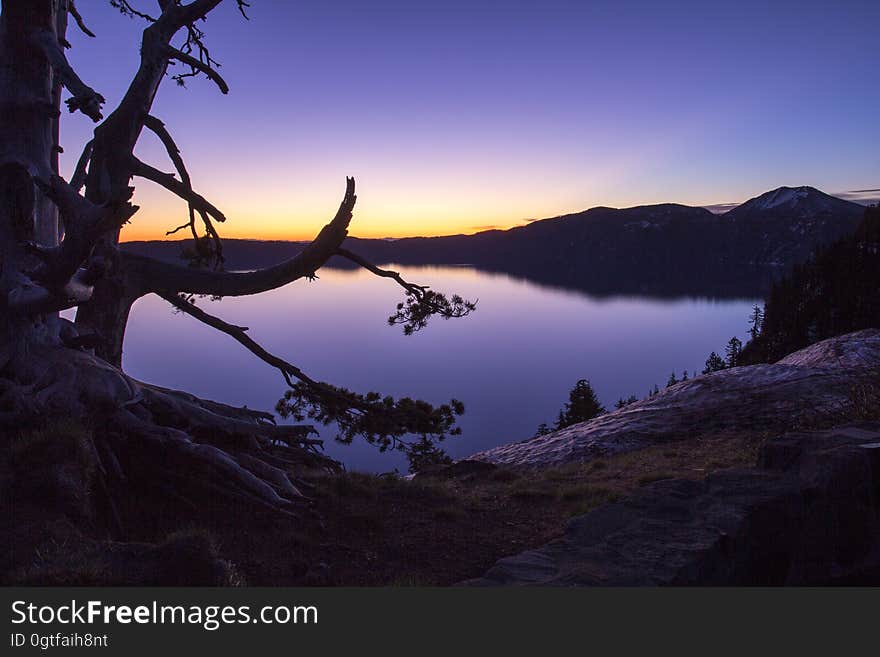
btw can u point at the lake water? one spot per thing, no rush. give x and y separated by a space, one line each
511 362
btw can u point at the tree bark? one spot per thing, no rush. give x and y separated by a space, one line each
30 98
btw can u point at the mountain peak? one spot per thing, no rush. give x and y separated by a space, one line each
802 200
782 196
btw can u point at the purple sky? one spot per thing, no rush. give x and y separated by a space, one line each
455 116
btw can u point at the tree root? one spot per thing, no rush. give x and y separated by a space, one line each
197 454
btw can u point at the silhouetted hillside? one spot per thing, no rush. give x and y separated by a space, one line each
835 293
666 250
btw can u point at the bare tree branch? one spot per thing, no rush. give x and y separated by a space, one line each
180 15
71 7
78 179
118 135
189 224
84 223
240 335
243 7
177 187
158 128
384 273
85 99
125 7
202 67
155 276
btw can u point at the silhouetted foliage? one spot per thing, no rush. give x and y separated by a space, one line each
732 352
381 421
425 454
837 292
414 312
672 380
582 405
621 402
755 321
542 430
714 363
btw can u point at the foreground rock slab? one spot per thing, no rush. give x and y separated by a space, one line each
807 514
811 387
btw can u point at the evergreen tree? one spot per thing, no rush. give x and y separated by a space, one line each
833 293
672 380
543 430
560 420
582 405
424 455
684 375
620 403
733 351
755 322
714 363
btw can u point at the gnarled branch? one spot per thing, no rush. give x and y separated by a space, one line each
177 187
85 99
152 275
202 67
159 129
71 8
126 9
239 333
78 179
384 273
85 222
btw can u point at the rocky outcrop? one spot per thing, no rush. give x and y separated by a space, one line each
812 387
807 514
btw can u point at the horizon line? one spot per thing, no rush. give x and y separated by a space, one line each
715 208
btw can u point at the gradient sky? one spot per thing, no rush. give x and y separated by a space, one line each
458 116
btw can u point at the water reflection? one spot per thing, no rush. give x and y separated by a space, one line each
512 362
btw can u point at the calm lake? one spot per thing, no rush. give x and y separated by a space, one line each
512 362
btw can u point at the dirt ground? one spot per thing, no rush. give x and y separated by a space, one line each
435 529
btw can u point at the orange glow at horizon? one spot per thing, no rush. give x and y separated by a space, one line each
268 211
152 231
436 192
246 219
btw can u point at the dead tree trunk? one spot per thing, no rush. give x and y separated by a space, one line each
30 99
106 314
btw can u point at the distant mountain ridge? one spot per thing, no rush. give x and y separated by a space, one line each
806 201
665 249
